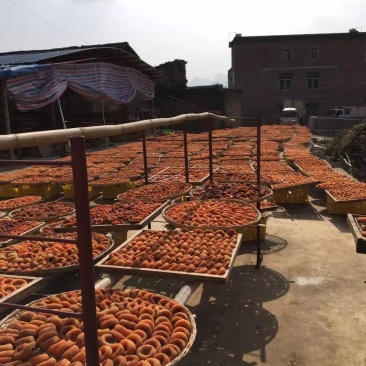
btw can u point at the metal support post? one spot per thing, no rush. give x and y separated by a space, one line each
185 144
259 254
144 150
85 252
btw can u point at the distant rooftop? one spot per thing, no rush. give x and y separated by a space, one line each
353 33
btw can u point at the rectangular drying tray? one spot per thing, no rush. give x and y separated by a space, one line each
120 227
34 284
202 277
360 240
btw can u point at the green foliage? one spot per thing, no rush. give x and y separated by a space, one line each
346 139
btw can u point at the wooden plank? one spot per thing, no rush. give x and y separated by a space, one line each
189 276
34 283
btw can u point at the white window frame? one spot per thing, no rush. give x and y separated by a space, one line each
314 53
287 81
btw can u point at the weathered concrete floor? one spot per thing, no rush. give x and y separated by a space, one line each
306 305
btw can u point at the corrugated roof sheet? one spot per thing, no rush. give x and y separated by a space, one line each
112 55
26 58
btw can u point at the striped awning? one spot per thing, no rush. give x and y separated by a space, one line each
32 90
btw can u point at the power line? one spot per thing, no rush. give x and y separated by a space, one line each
46 21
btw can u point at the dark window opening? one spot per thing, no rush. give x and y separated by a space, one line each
286 82
286 54
313 53
312 81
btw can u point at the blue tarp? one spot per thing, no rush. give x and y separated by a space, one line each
9 72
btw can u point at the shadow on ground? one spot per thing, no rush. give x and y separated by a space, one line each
246 327
271 244
298 211
339 221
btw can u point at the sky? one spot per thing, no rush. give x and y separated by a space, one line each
197 31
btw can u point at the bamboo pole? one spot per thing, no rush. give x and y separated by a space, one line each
28 139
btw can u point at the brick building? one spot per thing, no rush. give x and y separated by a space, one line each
313 72
174 97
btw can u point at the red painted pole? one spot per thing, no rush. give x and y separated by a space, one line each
259 122
144 151
210 150
185 144
79 171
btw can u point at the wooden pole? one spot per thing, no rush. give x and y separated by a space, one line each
6 114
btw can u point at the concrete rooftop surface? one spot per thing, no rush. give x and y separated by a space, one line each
305 306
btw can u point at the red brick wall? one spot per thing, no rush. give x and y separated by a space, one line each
257 63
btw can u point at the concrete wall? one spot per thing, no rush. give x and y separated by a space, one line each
328 126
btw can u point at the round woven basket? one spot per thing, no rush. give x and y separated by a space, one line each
58 270
15 315
47 218
268 195
192 227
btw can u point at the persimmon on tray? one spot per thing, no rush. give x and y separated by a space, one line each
220 214
37 256
43 211
135 327
9 285
16 227
194 252
17 202
240 191
117 214
155 191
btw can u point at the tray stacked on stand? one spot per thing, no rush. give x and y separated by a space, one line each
16 288
245 192
212 214
39 186
197 176
18 202
48 258
111 187
201 255
355 206
118 218
17 227
44 211
163 191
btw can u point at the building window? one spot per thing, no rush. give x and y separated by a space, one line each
286 54
285 82
312 81
313 53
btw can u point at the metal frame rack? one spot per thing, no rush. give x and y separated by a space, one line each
83 242
210 161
